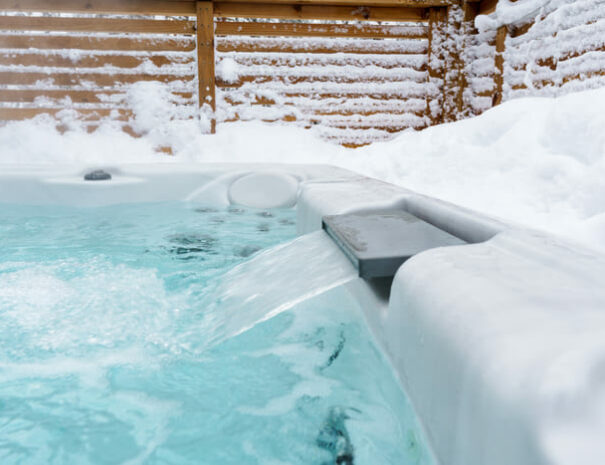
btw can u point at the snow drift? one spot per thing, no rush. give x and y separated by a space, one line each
539 162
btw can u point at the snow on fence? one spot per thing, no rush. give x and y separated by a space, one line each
355 90
356 74
540 48
357 80
82 66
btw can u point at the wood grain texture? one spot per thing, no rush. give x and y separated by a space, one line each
230 44
358 13
499 63
205 58
63 42
371 31
8 58
148 7
149 26
74 96
375 3
97 80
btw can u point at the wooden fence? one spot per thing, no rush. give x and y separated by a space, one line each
85 65
562 49
357 74
556 49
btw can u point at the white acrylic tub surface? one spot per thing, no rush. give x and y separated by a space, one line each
500 344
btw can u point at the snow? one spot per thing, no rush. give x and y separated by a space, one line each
499 344
560 53
228 70
538 162
502 349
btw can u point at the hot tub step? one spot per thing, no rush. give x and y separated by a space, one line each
378 243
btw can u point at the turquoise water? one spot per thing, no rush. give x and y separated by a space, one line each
101 313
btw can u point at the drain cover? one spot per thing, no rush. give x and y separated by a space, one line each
97 175
378 243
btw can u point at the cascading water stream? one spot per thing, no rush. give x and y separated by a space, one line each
271 283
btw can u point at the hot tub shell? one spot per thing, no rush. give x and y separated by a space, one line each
497 343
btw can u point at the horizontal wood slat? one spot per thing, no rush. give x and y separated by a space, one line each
417 62
316 30
566 79
10 78
76 96
374 3
305 101
343 13
320 94
145 7
51 42
232 44
91 61
382 10
292 80
7 113
361 113
37 23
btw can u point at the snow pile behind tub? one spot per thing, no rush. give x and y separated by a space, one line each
539 162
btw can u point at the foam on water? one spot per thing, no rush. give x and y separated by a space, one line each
114 349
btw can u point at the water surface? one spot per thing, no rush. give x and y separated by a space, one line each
103 360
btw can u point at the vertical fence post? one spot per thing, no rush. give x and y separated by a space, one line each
467 29
499 62
451 32
436 68
205 61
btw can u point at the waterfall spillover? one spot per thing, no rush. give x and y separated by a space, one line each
272 282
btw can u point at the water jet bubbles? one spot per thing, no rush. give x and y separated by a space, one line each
191 245
236 210
206 210
217 220
246 250
334 437
265 214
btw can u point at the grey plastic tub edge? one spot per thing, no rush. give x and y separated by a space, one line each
379 242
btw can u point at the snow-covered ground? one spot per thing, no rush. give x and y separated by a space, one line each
539 162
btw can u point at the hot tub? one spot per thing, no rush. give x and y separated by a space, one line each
137 328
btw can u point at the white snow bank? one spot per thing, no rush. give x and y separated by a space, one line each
537 162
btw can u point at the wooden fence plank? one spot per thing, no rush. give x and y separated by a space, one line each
59 42
293 80
264 10
499 62
226 45
434 72
304 101
416 62
231 9
14 114
39 23
142 7
487 7
75 96
316 30
356 3
205 58
12 78
90 61
345 94
467 27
